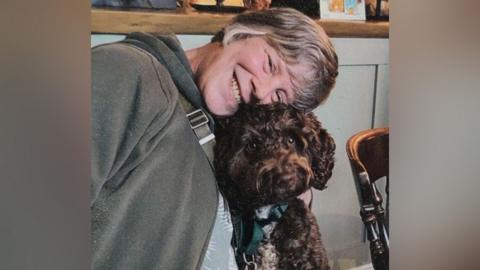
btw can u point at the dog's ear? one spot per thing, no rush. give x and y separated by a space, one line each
227 122
222 122
321 148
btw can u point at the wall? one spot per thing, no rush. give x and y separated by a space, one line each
359 101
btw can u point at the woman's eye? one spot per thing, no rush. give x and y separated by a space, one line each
270 64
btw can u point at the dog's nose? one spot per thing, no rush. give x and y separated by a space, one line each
288 169
296 165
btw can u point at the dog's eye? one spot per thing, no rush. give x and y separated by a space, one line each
291 140
252 146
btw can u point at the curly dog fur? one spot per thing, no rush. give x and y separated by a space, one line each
267 154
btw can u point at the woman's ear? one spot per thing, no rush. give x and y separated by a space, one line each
321 148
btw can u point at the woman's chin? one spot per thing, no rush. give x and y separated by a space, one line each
223 110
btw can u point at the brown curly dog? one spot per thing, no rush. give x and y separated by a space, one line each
266 156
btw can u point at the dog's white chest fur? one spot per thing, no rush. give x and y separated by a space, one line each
268 256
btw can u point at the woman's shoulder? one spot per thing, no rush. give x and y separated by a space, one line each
120 55
126 75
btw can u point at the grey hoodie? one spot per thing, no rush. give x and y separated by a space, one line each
154 195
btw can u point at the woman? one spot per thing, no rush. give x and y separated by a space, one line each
154 196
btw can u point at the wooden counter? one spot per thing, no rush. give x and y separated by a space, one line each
109 21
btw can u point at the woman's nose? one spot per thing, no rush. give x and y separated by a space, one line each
262 90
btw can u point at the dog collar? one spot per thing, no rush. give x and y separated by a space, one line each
253 230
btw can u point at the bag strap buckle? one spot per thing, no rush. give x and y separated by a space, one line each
199 123
197 118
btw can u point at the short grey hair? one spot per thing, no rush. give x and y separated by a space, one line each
298 39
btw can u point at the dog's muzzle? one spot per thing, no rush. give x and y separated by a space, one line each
284 173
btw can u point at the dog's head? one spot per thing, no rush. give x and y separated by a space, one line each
266 154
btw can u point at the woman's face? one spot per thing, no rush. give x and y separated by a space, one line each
247 70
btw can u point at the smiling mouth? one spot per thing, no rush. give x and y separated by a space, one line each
236 90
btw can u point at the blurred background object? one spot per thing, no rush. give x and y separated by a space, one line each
236 3
336 5
308 7
149 4
377 9
257 4
343 9
234 6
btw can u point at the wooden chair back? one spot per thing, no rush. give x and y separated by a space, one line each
368 155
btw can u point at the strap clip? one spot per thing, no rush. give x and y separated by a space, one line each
199 124
197 118
249 263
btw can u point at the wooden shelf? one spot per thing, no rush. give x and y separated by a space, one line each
179 21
